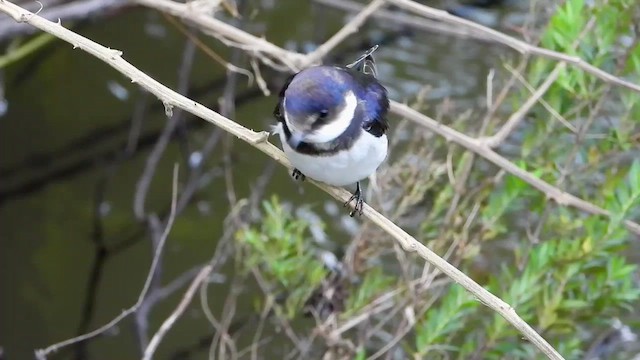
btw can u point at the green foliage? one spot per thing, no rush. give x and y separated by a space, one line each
511 198
280 249
441 323
375 281
574 277
360 355
591 32
564 272
565 283
625 198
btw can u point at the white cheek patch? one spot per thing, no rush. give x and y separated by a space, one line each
337 125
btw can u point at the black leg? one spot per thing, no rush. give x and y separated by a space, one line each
298 175
359 198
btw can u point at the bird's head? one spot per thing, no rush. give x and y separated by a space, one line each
319 105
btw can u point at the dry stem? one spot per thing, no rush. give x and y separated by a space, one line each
514 43
43 353
182 306
171 98
295 61
250 43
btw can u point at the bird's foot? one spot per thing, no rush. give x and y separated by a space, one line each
297 175
359 199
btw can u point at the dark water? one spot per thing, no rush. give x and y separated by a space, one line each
65 127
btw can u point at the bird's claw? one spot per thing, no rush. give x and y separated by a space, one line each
297 175
359 206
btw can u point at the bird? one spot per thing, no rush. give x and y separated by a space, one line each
331 121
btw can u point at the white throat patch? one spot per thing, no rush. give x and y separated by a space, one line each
335 126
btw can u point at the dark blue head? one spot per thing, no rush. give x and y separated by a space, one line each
319 104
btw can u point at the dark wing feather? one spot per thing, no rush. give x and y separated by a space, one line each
377 102
377 124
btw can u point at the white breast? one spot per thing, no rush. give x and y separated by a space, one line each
344 167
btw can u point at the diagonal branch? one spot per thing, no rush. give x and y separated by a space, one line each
481 148
413 21
516 44
228 34
350 28
179 310
503 133
65 11
42 354
295 61
258 140
518 116
476 145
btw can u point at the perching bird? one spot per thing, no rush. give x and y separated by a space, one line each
331 122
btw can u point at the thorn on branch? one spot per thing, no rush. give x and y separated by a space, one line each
115 53
168 108
260 137
41 7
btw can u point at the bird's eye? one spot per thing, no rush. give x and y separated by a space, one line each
323 114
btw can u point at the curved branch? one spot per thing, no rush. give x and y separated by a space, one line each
350 28
482 148
479 146
74 10
228 34
258 140
512 42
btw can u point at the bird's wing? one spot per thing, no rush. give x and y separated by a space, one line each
365 63
376 104
375 110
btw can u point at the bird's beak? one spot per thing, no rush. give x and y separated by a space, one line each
295 140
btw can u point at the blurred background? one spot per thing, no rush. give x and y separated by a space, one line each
86 164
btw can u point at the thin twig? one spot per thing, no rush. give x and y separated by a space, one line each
513 43
554 113
42 354
351 27
67 11
168 323
518 116
258 140
208 51
225 32
413 21
472 144
154 225
151 164
28 48
294 61
478 147
501 135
